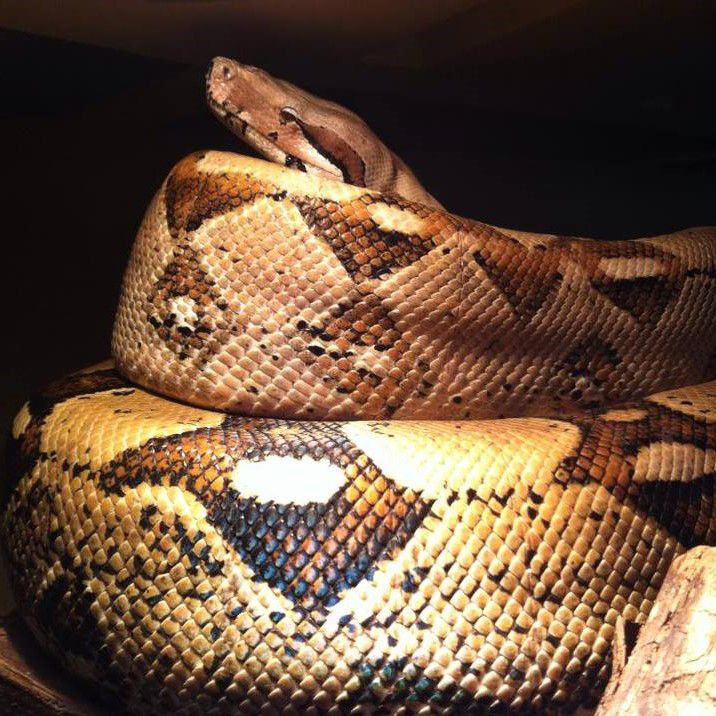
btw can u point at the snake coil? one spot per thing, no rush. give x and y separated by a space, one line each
360 455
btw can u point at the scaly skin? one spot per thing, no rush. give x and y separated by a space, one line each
190 561
257 289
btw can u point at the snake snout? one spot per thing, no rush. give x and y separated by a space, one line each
221 70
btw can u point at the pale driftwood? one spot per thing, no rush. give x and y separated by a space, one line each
31 684
672 669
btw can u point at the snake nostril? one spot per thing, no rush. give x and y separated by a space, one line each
221 69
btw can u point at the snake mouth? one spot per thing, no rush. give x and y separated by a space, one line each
230 115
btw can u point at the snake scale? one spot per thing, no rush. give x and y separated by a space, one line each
356 454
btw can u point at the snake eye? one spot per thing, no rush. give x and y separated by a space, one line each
287 114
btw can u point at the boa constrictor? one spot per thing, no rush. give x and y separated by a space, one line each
483 489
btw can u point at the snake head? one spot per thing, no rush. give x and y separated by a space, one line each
287 124
290 126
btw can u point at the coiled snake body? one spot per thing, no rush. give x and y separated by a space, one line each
448 489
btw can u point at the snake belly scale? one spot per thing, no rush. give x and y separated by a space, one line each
358 455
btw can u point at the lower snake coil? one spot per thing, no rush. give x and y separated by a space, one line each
357 454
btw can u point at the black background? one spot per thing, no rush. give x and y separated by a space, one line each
611 136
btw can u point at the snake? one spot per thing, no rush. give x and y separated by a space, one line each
354 454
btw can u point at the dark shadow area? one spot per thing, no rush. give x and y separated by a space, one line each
41 686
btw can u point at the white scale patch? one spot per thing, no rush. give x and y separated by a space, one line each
673 462
625 415
622 268
393 218
287 479
184 310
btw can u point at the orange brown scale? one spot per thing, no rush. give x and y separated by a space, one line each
588 367
644 298
525 284
511 585
184 277
194 197
360 319
282 294
364 250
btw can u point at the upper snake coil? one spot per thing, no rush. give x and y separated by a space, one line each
438 483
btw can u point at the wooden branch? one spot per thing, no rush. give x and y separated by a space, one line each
31 684
672 668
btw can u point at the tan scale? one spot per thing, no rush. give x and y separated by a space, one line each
459 321
517 573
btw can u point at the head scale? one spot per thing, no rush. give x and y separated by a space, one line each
292 127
